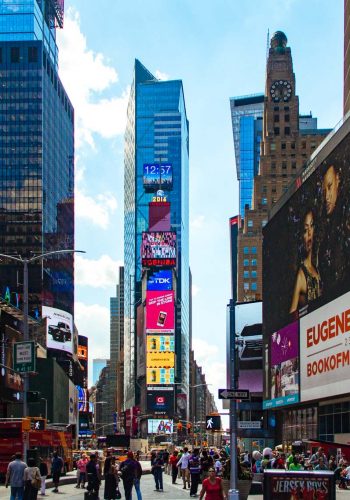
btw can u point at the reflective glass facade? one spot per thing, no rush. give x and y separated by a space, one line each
247 121
36 164
157 131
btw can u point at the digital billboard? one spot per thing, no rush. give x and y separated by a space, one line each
160 280
157 176
160 312
158 249
160 343
159 426
159 216
59 329
160 376
306 269
160 402
284 359
160 360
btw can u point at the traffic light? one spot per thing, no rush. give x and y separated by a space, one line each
188 427
179 426
38 424
33 396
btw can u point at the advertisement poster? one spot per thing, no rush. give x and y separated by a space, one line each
160 360
59 333
160 312
286 485
158 248
73 403
160 281
158 426
161 343
284 349
325 350
160 402
160 376
9 379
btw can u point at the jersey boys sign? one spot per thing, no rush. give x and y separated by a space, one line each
325 349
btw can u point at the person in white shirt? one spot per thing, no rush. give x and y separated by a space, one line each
183 464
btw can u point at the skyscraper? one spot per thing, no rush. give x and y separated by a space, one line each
37 155
156 132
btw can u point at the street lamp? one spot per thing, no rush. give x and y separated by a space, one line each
25 261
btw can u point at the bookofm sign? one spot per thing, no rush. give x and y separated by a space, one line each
315 485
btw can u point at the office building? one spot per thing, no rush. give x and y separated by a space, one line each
37 160
156 133
97 366
346 56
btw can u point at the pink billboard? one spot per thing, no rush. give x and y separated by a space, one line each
160 312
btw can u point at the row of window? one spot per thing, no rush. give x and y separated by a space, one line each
252 274
248 250
250 286
247 262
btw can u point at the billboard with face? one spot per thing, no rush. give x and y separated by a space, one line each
159 426
59 325
158 249
306 258
160 312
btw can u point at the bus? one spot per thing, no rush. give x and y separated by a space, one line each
40 443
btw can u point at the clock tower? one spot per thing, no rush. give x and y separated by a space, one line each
285 147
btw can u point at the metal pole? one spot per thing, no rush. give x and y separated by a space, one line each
25 337
233 493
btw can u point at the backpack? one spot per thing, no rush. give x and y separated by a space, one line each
36 479
128 472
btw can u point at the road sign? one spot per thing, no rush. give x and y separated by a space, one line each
232 394
24 357
255 424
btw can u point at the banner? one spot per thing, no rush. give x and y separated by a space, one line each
160 360
160 376
287 485
160 312
59 334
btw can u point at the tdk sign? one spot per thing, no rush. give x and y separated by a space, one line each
162 280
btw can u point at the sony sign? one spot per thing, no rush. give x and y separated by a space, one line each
161 280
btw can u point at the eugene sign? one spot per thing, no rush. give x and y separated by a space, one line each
325 350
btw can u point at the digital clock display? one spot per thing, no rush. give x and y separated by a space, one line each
157 176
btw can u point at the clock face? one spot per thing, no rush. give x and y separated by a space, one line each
281 91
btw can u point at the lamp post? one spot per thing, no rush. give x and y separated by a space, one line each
25 261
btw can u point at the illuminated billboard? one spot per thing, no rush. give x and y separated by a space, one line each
306 269
160 402
284 358
160 376
158 249
160 312
160 360
160 343
157 176
160 280
159 216
159 426
59 329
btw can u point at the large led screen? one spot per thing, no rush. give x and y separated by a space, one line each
160 360
160 343
160 402
157 176
306 265
159 426
157 376
160 280
158 249
59 333
284 357
160 312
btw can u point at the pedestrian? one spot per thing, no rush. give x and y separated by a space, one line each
165 457
217 465
212 487
56 469
81 471
173 459
157 471
195 472
316 456
111 479
32 480
206 463
15 477
137 480
295 465
93 475
321 464
183 463
43 469
130 471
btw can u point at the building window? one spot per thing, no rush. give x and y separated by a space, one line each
246 250
273 165
253 250
254 262
294 164
286 108
273 146
303 144
264 201
15 54
254 274
276 131
283 145
287 130
286 118
250 223
276 118
284 165
292 145
246 262
246 286
32 54
246 274
263 223
254 286
276 108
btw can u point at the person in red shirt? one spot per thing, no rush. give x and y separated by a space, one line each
173 459
212 487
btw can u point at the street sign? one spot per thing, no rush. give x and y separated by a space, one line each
255 424
232 394
24 357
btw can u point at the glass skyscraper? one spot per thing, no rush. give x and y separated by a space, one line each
37 155
157 131
247 120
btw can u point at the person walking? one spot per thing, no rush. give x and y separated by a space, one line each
138 479
195 472
43 469
173 459
183 464
81 468
157 471
93 475
32 480
15 477
56 469
111 479
212 487
206 463
129 472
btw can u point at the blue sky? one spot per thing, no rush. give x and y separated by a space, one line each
218 49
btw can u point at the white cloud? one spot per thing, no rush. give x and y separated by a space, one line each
195 290
86 75
93 321
100 273
162 76
197 222
97 210
207 356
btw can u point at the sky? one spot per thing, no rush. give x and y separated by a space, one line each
218 49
